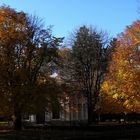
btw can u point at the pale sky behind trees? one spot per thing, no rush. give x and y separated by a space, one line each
67 15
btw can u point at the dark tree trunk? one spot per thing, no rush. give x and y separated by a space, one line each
18 121
92 115
90 109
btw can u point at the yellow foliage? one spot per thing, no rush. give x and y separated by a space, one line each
124 71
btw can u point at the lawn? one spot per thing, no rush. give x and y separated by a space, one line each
25 135
109 132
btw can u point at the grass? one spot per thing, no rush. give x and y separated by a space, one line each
4 122
25 135
75 133
5 125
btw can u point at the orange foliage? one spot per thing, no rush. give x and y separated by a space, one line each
11 23
123 80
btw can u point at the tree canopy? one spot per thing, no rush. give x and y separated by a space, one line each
25 48
89 62
123 80
107 74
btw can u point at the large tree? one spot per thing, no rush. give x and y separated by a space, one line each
89 61
123 79
25 46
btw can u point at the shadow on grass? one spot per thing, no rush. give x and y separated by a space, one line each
25 135
99 132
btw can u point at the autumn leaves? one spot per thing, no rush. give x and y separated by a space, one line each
122 81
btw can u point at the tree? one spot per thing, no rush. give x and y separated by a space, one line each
106 103
89 61
122 81
109 105
25 47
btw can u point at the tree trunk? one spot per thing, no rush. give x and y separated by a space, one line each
18 121
90 109
92 115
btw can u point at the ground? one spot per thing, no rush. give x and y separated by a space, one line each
96 132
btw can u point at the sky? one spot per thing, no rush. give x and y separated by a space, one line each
68 15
